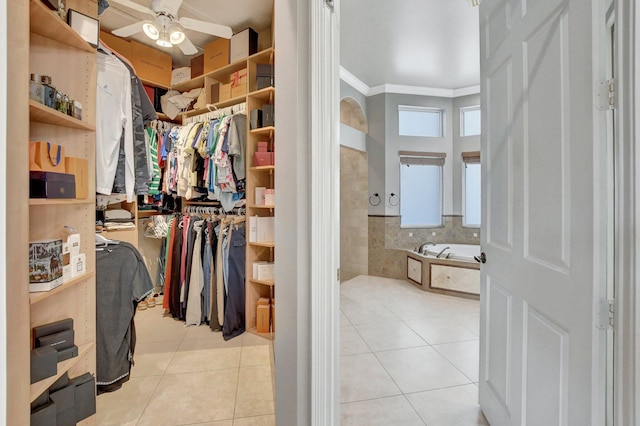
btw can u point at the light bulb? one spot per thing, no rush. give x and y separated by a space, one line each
177 37
163 41
151 31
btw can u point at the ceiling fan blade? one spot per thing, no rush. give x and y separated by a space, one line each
129 30
187 47
206 27
135 6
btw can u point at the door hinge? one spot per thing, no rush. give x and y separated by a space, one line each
338 274
606 314
606 94
329 3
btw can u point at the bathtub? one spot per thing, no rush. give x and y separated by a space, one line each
463 252
458 274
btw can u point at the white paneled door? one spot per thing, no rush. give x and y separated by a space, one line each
540 350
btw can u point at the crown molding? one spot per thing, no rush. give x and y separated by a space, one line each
354 81
362 87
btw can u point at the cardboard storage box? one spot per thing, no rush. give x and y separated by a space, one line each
268 118
44 363
262 159
243 45
85 398
239 83
255 119
78 265
151 64
65 405
45 265
225 92
197 66
44 416
264 76
214 93
51 185
216 55
79 168
262 318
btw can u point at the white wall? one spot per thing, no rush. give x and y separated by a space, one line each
376 148
292 225
460 145
384 143
395 143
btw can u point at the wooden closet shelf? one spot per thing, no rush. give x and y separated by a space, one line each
221 74
153 83
268 244
222 104
48 24
165 117
263 57
263 131
40 296
262 168
38 387
58 201
254 206
265 95
269 283
43 114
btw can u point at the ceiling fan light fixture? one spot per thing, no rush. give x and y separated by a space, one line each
151 30
164 40
176 35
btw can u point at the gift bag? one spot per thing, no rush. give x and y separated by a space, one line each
46 156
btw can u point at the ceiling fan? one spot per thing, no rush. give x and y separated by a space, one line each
167 29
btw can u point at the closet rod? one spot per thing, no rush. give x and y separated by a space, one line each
216 113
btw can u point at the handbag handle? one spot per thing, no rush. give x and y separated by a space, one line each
58 154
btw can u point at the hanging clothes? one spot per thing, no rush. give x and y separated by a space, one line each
204 275
115 120
122 280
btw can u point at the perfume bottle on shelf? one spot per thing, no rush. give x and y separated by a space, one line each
36 89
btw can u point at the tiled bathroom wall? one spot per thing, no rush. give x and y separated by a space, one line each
354 249
387 242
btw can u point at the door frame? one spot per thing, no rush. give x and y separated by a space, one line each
627 216
325 212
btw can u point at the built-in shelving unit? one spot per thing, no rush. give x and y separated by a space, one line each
63 367
74 72
40 296
43 114
257 176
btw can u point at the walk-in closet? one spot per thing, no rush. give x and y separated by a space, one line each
143 272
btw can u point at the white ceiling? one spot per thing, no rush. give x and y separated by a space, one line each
425 43
238 14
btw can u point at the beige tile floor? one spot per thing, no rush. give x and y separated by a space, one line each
191 376
408 357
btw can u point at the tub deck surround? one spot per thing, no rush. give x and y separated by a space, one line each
453 276
388 241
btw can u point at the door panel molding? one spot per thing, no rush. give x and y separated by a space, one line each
499 157
546 142
546 373
497 367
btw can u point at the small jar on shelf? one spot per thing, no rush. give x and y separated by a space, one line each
36 89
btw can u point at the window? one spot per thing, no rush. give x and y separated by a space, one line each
421 191
470 121
420 121
472 190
